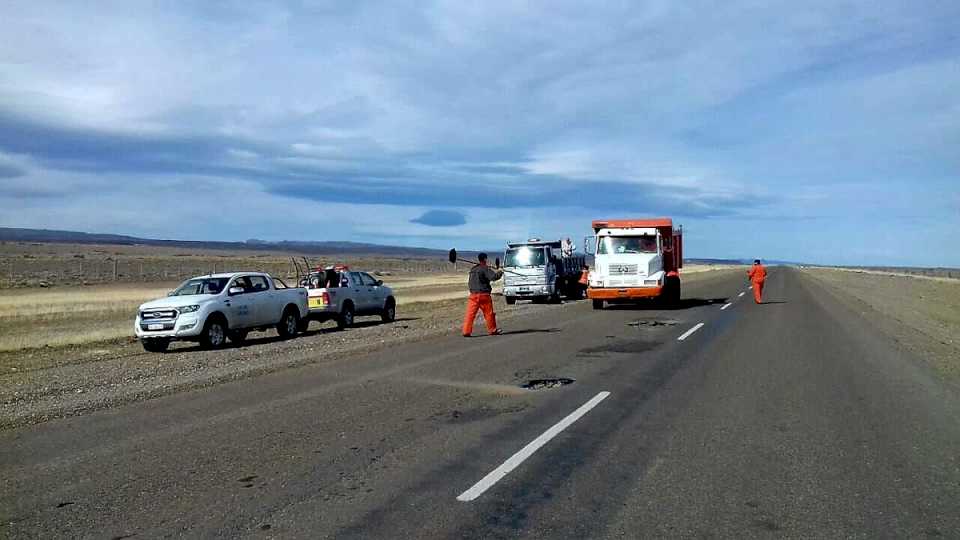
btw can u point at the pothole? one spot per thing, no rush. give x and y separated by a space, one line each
643 323
546 384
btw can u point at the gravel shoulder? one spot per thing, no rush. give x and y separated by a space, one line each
920 313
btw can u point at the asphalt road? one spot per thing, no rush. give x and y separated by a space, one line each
795 418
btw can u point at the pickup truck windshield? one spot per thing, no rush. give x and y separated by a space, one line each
201 286
524 256
627 244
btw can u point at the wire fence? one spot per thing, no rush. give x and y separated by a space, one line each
41 272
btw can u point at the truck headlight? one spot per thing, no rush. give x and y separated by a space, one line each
189 309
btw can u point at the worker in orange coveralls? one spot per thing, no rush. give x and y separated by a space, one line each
757 275
585 277
481 277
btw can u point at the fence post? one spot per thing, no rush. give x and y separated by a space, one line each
116 265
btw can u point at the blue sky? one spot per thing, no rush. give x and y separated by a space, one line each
818 131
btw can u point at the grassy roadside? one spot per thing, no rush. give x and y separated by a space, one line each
921 313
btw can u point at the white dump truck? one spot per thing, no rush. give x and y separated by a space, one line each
635 259
211 309
539 270
336 293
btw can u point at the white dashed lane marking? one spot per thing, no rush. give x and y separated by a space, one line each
725 306
515 460
689 332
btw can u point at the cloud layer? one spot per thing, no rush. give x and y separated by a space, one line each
760 127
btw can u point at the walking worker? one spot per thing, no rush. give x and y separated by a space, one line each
481 277
585 276
757 275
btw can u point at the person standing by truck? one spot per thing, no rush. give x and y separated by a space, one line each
757 275
480 283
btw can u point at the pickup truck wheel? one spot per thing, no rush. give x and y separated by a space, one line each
345 319
389 313
598 304
288 324
237 337
155 344
214 334
511 300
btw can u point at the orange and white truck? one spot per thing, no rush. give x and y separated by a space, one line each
635 259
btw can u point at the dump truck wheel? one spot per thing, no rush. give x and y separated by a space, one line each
511 300
598 304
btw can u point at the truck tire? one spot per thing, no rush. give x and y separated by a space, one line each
389 313
238 337
289 323
214 335
511 300
155 344
671 292
598 304
345 319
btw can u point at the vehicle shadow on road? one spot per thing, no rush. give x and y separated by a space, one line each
685 303
368 324
774 302
530 331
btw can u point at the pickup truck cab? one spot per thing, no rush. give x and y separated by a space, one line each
211 309
339 294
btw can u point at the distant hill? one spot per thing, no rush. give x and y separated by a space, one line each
10 234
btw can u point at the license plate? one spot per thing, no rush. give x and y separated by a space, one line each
154 327
316 303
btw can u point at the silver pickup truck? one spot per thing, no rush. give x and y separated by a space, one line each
339 294
211 309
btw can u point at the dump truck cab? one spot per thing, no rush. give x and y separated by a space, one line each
541 270
635 259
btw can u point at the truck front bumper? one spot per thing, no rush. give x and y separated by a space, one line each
627 293
528 290
184 327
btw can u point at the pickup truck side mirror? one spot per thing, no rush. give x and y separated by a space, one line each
235 291
169 293
379 283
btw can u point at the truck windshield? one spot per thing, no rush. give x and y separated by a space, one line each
524 256
627 244
201 286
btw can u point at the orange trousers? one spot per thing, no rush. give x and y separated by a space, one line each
757 291
479 302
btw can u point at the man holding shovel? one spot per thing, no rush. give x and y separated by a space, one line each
481 278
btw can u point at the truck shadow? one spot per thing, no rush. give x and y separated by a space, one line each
684 303
530 331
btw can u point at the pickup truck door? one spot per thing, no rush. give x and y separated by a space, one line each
377 296
362 294
264 302
239 311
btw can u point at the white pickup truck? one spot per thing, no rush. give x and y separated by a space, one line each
339 294
211 309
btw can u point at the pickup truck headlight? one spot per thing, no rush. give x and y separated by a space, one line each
189 309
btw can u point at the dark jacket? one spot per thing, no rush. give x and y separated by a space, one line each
481 276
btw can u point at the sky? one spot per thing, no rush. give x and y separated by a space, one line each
820 131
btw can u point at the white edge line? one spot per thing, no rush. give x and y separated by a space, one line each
750 287
741 294
725 306
515 460
690 331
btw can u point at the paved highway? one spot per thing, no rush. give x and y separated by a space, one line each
795 418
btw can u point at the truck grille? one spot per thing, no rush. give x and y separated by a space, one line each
158 315
623 269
